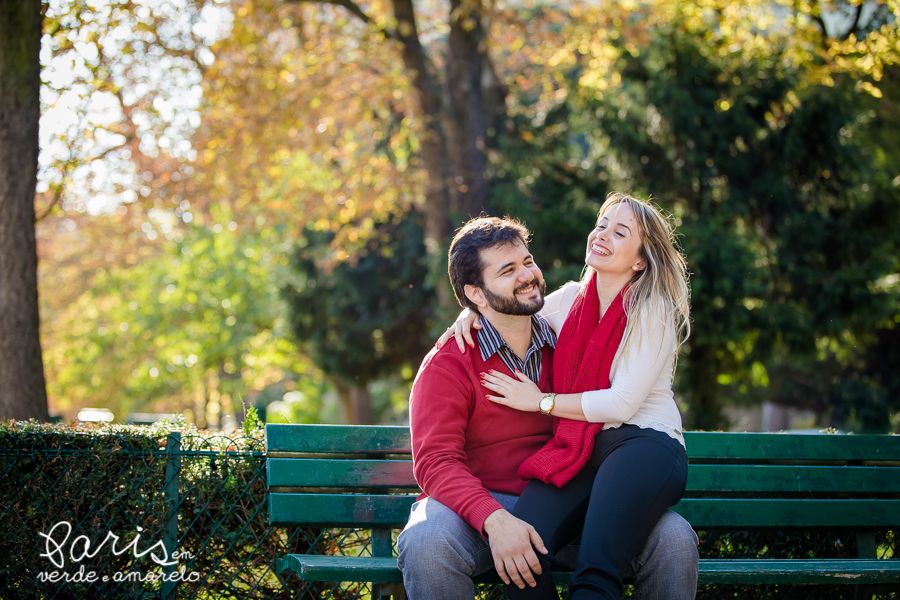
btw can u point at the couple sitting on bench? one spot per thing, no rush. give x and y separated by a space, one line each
558 422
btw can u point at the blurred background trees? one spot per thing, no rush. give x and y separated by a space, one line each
240 193
363 319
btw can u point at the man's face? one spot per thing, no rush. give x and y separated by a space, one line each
513 283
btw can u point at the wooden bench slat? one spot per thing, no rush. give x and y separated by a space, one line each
703 513
374 439
797 479
339 510
312 567
398 474
337 439
788 446
346 510
849 571
324 472
824 570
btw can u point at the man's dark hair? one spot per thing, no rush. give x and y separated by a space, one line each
465 262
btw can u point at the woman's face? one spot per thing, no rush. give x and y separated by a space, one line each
614 246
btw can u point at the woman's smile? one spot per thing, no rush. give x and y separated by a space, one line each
599 249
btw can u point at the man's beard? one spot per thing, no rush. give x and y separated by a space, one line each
510 305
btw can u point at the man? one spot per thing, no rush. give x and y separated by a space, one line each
467 449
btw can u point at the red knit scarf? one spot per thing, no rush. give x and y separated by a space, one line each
581 363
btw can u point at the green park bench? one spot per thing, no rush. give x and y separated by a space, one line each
362 477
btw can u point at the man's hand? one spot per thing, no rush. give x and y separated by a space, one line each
512 545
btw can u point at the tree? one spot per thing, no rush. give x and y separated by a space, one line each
363 319
170 320
764 143
344 69
766 155
23 392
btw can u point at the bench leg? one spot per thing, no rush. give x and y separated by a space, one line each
865 541
383 545
383 591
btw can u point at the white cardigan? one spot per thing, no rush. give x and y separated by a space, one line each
640 391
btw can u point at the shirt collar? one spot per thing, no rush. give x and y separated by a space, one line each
490 340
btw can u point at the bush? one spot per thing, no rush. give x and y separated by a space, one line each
109 485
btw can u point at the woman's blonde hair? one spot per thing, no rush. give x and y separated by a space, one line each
660 290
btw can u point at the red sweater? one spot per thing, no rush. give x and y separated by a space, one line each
463 444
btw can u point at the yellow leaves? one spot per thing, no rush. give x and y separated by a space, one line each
563 55
869 88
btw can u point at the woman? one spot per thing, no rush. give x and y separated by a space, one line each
617 459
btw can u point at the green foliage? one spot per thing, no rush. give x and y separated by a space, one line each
197 324
367 318
550 179
785 215
784 197
252 422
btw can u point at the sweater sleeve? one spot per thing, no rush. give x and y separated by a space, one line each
438 416
637 373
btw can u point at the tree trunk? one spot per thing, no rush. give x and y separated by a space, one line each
356 405
23 392
465 73
705 408
456 123
434 143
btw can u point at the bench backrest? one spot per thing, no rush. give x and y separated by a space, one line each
361 476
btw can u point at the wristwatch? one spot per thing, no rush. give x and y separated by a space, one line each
547 402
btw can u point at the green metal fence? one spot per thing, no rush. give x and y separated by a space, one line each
150 513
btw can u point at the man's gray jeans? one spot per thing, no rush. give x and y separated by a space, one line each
439 553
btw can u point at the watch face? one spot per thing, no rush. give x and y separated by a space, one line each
546 404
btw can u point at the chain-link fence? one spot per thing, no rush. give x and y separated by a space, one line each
155 513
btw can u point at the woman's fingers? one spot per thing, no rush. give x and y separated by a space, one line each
467 335
499 400
444 337
497 377
461 332
491 385
522 376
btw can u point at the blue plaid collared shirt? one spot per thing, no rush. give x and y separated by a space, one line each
491 342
